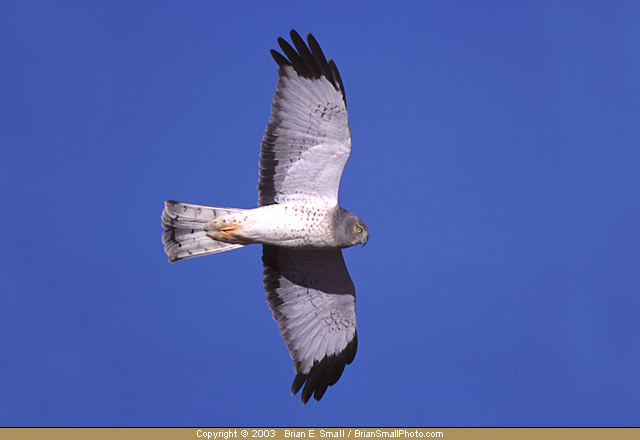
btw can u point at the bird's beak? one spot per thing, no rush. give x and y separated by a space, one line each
365 238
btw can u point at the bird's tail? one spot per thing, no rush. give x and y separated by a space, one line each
185 234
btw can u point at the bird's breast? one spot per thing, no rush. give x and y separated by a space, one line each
288 225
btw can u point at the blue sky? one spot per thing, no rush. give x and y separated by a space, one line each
496 158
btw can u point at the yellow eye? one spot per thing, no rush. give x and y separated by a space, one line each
358 229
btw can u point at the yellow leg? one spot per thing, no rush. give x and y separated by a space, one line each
228 229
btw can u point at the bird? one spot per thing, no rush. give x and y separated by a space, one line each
298 221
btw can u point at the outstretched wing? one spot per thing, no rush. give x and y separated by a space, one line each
307 142
313 299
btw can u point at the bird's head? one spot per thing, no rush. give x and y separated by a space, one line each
349 229
362 233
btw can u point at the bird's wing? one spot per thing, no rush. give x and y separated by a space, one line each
313 300
307 142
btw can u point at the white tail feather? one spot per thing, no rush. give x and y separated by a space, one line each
185 235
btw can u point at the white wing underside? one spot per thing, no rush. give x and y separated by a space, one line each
307 142
313 300
303 153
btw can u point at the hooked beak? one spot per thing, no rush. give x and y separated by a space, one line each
365 238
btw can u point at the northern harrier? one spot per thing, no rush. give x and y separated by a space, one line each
299 222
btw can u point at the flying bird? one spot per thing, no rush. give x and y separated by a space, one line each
298 220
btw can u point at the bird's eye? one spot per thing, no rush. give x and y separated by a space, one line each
358 229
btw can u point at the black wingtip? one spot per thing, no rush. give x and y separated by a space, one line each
298 381
279 59
307 59
324 373
294 34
